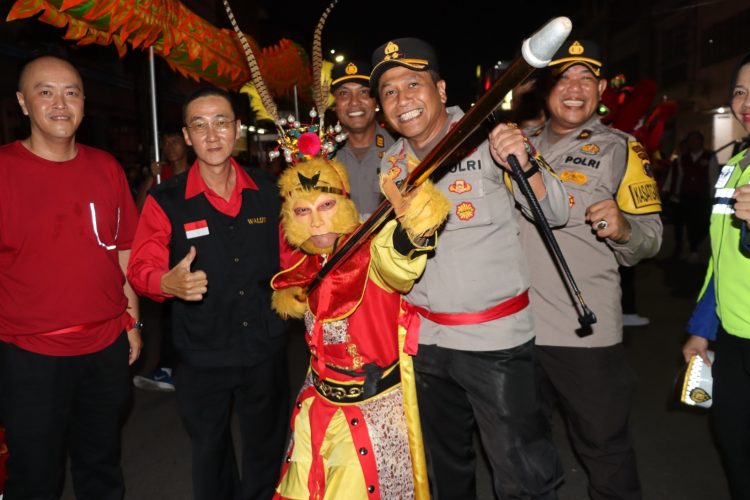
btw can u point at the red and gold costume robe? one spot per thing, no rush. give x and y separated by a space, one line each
356 437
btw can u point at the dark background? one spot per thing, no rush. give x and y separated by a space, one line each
465 33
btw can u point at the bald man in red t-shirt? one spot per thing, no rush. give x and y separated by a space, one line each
68 318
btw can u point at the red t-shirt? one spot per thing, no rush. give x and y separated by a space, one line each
61 227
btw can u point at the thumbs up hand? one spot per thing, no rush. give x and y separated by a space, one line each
181 282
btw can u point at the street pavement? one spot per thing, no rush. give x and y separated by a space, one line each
677 459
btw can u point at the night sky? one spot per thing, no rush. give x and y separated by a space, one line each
465 33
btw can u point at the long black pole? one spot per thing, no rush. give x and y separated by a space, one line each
586 316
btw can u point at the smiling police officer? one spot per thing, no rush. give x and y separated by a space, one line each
614 219
366 140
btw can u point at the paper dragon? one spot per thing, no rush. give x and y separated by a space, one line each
188 43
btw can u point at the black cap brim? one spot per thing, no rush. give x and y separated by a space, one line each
560 68
383 66
364 80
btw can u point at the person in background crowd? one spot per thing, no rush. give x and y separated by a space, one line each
529 107
175 162
630 316
134 176
586 371
217 227
176 152
475 358
68 319
366 140
689 186
722 310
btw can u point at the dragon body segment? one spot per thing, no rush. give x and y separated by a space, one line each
187 42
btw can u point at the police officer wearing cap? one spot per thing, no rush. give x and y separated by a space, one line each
614 219
475 355
366 140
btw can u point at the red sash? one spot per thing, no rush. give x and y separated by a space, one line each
504 308
76 328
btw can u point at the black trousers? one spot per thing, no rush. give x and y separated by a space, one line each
594 387
53 405
260 396
167 352
730 411
496 391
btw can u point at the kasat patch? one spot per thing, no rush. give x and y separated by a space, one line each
465 210
585 134
459 187
644 194
573 177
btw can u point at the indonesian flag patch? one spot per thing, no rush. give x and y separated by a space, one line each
196 229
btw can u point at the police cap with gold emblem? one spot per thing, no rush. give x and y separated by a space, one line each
352 71
411 53
577 52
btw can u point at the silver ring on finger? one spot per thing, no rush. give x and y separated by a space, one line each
602 224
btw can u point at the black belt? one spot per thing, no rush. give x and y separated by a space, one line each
355 391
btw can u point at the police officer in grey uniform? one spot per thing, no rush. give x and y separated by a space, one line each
614 219
366 140
475 357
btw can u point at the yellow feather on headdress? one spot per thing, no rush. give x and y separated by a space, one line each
325 80
256 103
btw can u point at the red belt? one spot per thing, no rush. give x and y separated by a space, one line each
504 308
410 320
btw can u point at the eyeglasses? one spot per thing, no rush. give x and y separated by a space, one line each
220 125
96 230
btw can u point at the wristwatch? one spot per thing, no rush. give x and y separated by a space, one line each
135 324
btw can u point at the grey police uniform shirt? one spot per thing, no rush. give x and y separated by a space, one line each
591 161
479 261
363 175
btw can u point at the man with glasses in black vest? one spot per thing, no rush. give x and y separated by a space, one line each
208 240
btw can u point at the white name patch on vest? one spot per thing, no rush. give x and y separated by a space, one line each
196 229
726 172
